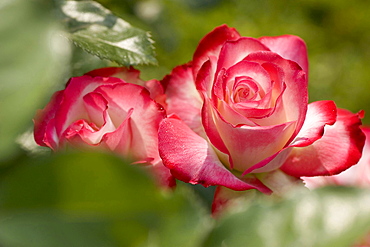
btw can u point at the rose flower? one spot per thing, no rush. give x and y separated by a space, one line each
106 109
239 115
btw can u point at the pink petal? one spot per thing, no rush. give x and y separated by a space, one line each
192 159
120 139
233 52
76 133
204 80
51 138
156 91
95 105
319 114
131 75
44 128
90 133
248 145
72 106
208 112
127 74
145 118
211 45
357 175
289 47
338 149
219 88
183 99
231 115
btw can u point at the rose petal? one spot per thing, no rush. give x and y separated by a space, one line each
120 139
95 105
51 138
205 77
129 74
211 44
156 91
144 120
44 128
232 116
357 175
183 99
249 145
338 149
72 107
192 159
88 132
211 127
78 135
319 114
242 143
289 47
233 52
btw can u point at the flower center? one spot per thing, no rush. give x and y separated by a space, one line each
245 90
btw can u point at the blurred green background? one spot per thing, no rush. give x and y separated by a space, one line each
98 200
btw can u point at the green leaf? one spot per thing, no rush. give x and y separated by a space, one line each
327 217
32 58
93 199
98 31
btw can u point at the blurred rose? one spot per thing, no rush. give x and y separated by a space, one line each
106 109
240 116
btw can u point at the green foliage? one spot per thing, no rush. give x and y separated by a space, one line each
93 199
32 56
99 32
327 217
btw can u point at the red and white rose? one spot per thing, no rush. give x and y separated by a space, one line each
239 113
107 109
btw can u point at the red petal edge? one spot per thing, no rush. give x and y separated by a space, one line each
289 47
339 148
210 45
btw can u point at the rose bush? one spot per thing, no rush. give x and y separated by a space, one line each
106 109
239 116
